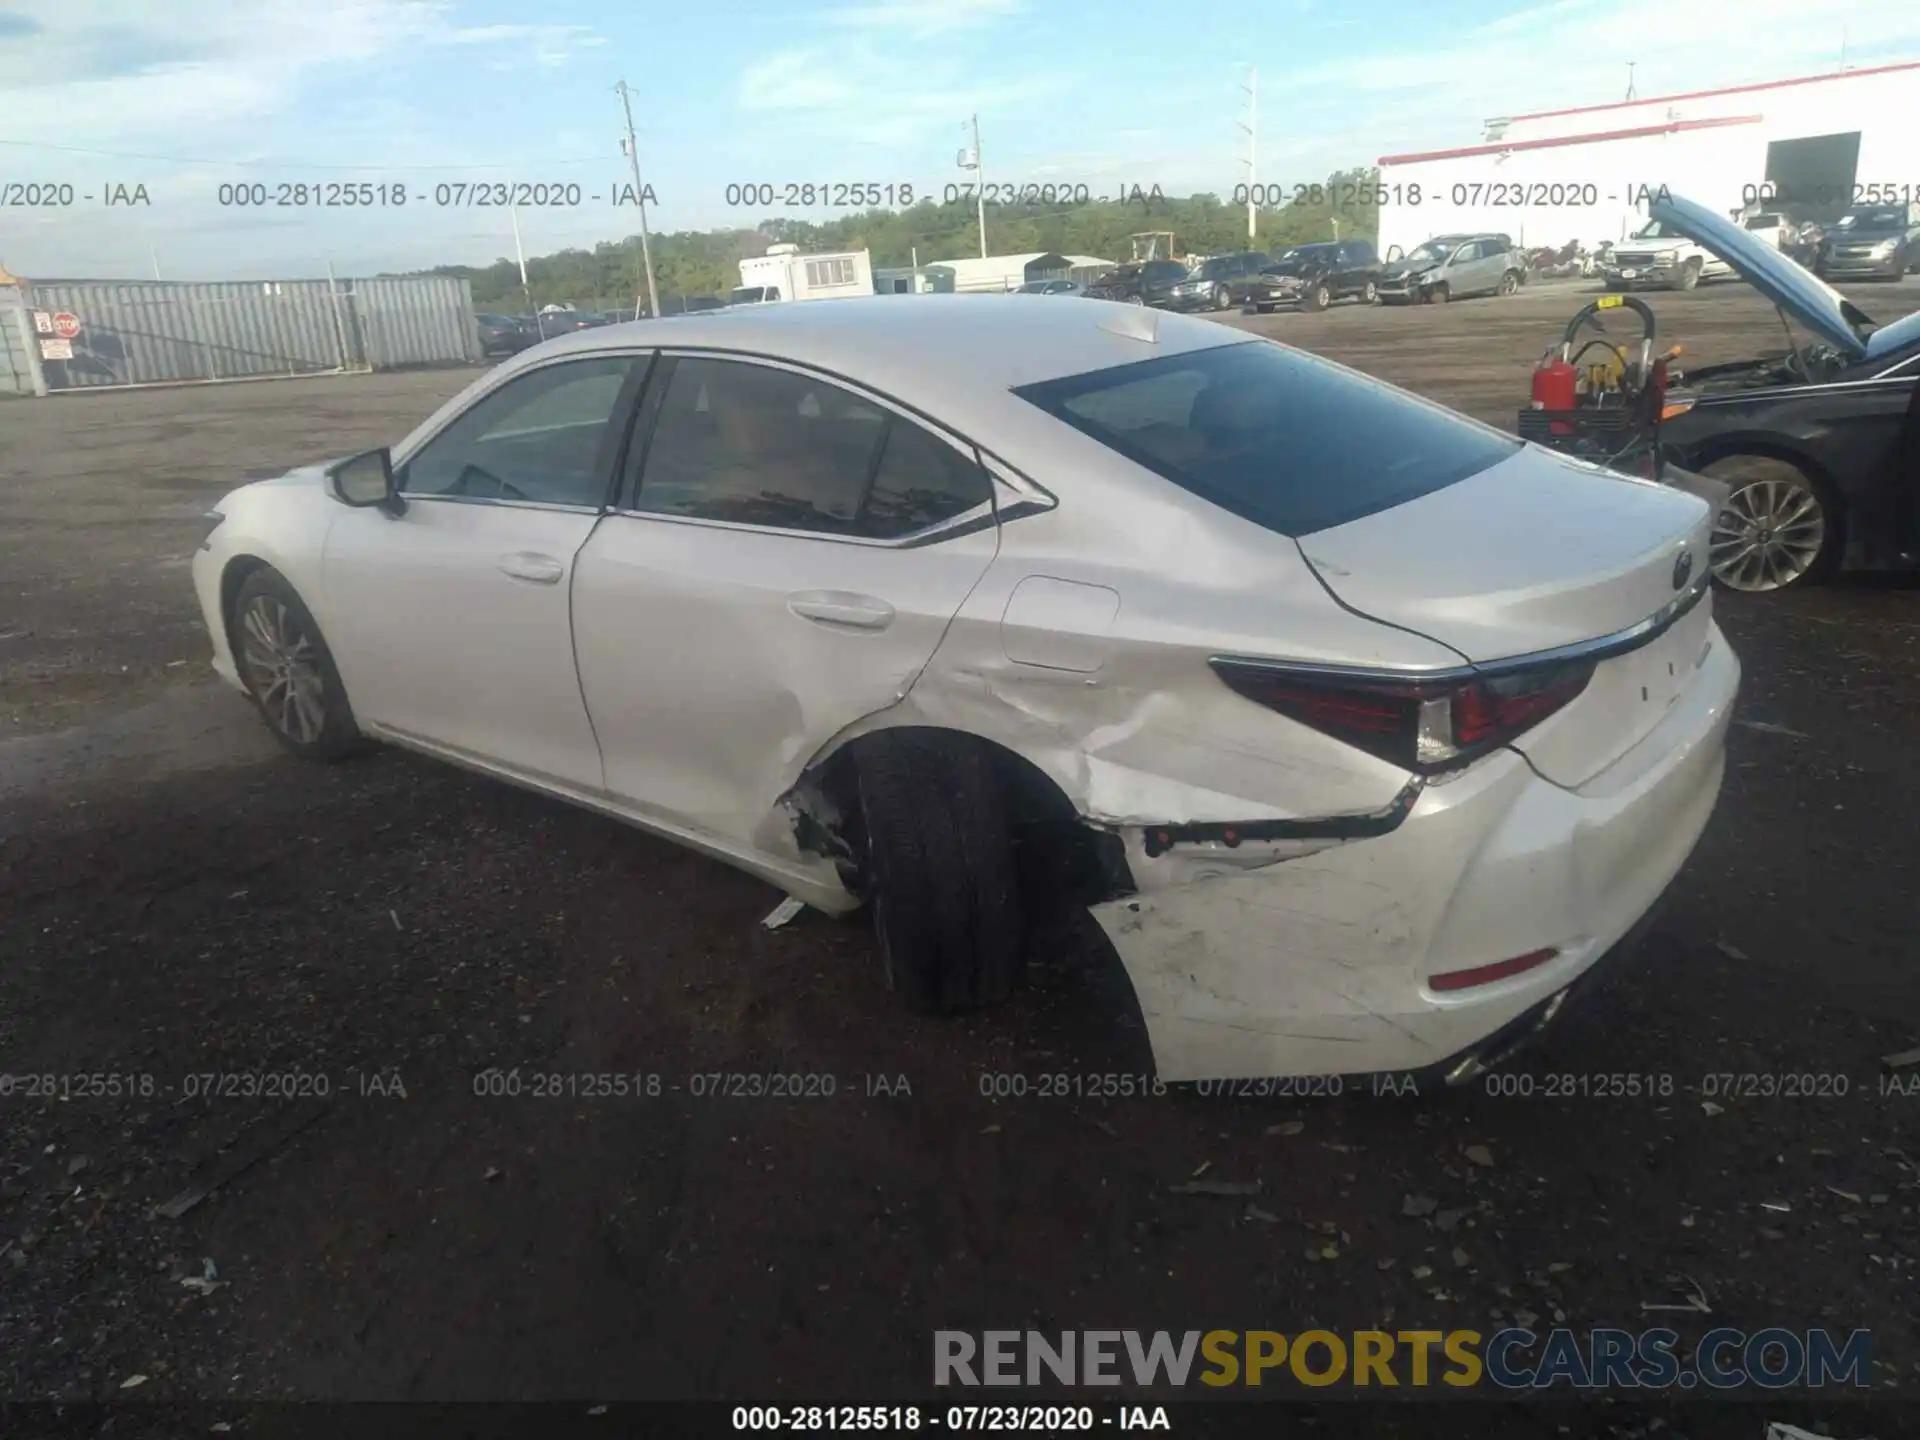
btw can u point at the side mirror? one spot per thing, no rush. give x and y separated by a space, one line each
365 481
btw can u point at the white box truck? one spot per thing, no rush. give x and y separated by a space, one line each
783 275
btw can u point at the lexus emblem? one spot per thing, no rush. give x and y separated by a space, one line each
1682 567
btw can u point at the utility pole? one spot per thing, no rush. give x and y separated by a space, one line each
979 179
520 255
632 148
1252 126
1630 94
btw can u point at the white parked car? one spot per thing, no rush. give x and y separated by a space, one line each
1365 729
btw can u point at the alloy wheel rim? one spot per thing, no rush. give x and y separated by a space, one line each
283 670
1767 535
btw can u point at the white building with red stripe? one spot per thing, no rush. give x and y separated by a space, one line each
1812 145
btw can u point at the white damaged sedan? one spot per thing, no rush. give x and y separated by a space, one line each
1364 729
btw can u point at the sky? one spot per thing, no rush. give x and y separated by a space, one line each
184 97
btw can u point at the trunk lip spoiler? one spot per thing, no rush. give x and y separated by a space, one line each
1601 647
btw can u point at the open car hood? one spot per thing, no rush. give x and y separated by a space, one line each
1814 303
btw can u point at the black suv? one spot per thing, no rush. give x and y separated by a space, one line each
1210 285
1146 282
1314 276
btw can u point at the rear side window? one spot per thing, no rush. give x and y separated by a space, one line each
754 445
1279 437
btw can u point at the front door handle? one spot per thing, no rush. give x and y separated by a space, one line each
841 609
533 566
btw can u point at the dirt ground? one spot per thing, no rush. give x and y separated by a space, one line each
177 898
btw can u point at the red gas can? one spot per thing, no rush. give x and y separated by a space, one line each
1554 382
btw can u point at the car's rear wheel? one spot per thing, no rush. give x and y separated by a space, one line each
283 660
1509 283
938 868
1777 529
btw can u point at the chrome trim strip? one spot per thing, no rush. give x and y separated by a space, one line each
1603 647
1033 497
966 519
411 497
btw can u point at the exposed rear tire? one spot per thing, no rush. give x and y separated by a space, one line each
288 670
939 869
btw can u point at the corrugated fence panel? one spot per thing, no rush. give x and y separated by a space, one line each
158 332
142 333
416 320
15 377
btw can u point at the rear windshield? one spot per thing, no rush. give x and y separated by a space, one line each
1279 437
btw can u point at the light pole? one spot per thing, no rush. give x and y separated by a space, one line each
1252 127
970 160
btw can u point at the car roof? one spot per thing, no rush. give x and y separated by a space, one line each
955 357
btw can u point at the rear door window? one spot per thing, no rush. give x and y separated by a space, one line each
755 445
1282 438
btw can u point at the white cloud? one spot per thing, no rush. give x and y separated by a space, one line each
922 18
128 74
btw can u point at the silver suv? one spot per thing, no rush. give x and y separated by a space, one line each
1451 267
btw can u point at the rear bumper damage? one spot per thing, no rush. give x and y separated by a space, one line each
1311 956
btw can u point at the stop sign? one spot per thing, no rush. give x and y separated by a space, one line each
66 325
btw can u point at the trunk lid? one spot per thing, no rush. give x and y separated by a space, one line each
1534 554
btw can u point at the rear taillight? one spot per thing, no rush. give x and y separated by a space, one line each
1426 725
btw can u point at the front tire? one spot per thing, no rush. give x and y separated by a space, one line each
1779 527
1370 295
1317 299
939 869
1437 295
283 660
1689 276
1221 300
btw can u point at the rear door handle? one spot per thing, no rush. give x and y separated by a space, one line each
841 609
533 566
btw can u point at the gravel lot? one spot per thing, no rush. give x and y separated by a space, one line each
176 898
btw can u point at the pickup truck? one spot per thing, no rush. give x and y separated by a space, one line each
1655 255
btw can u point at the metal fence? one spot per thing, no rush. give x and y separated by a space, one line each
17 368
153 332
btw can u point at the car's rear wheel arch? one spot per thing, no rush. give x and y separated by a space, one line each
1058 854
